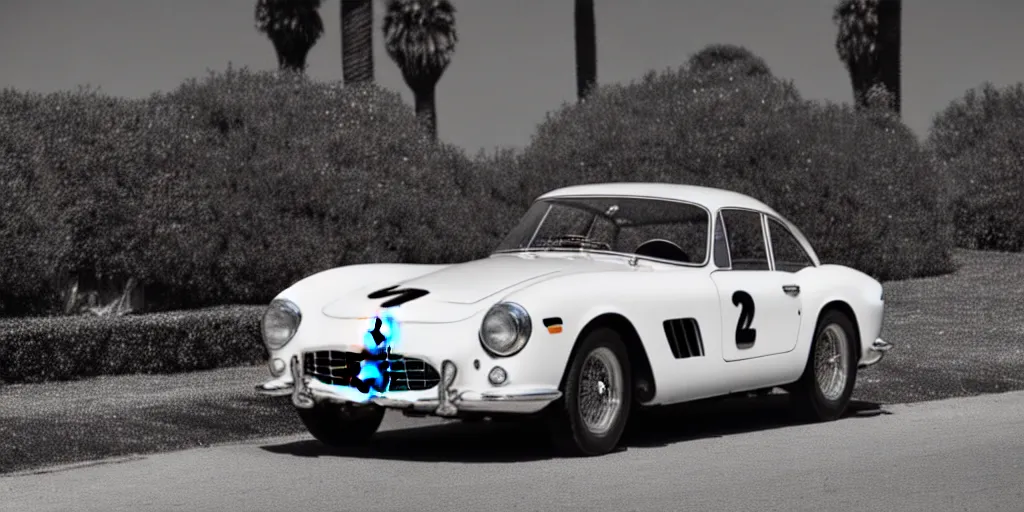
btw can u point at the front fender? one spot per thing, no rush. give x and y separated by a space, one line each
575 301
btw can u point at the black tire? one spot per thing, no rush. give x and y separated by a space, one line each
342 425
811 402
570 434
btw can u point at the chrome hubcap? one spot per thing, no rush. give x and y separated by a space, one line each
831 359
600 390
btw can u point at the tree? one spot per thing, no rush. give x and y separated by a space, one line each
419 35
868 43
586 48
357 41
890 14
715 55
293 26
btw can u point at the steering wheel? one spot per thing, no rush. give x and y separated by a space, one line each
582 241
662 249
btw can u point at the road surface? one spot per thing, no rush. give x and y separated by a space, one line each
958 454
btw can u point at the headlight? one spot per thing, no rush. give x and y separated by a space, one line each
280 323
505 329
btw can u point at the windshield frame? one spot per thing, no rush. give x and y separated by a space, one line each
708 235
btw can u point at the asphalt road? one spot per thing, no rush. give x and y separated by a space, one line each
957 454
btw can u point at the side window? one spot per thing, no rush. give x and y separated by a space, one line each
745 237
721 248
789 255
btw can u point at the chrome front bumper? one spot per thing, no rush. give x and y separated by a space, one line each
307 391
875 353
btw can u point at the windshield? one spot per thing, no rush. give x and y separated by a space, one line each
654 228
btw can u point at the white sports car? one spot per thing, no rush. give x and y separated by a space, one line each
603 299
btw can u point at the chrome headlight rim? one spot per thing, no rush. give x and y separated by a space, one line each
520 320
288 307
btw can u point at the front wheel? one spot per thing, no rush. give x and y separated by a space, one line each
342 425
592 415
823 392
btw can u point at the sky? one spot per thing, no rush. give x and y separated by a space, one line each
515 59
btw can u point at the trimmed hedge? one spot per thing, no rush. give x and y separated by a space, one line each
64 348
227 190
977 140
858 184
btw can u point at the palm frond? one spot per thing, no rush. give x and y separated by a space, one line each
857 39
420 35
291 19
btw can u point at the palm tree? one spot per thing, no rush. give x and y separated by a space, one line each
357 41
890 14
419 35
856 44
293 26
868 43
586 48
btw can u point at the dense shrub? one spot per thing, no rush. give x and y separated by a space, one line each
229 189
29 241
978 141
63 348
858 185
738 59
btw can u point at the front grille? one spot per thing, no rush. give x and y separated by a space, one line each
342 369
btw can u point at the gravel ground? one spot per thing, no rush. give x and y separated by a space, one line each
955 335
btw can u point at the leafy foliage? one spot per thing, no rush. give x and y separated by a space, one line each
229 189
65 348
868 44
420 35
857 39
977 141
293 26
859 186
728 55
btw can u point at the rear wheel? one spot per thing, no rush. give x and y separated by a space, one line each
339 425
823 392
592 415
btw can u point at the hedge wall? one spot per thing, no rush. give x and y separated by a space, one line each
858 184
979 140
64 348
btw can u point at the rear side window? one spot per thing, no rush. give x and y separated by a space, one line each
789 255
744 235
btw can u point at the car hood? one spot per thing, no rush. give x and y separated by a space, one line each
459 291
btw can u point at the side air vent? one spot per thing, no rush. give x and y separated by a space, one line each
684 337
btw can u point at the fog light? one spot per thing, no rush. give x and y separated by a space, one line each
276 367
497 376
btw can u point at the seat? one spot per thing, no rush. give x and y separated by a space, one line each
662 249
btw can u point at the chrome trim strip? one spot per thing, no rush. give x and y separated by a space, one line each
524 401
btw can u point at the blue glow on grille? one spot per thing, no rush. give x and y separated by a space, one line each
381 336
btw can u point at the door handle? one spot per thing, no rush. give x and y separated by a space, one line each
791 289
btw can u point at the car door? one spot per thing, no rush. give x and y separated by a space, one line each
760 306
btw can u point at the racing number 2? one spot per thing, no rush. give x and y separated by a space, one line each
745 336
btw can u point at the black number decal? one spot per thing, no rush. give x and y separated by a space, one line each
404 295
745 336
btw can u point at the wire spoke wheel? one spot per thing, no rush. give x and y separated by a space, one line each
831 358
600 390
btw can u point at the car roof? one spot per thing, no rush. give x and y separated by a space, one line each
711 198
